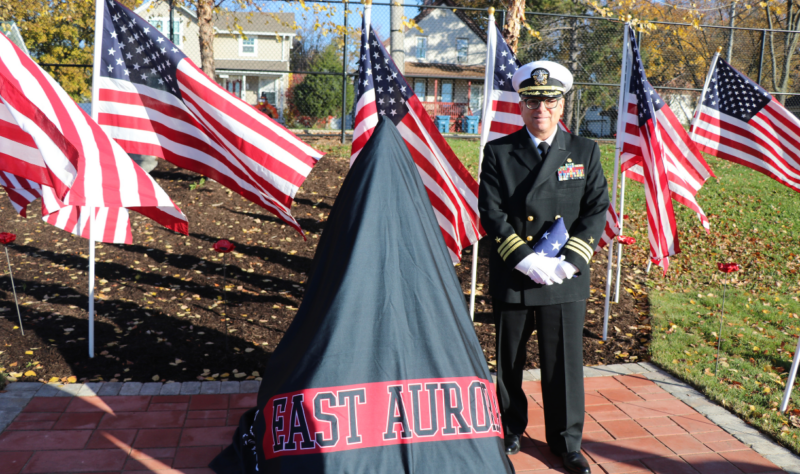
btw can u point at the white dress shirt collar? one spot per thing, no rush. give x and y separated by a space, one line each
536 141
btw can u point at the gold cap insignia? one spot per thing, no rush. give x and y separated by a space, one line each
540 76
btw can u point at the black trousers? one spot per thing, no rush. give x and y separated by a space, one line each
560 334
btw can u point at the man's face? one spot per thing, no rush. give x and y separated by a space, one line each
541 121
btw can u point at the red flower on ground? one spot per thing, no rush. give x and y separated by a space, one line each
728 267
626 240
224 246
7 237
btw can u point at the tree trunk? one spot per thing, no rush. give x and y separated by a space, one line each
205 20
514 18
574 47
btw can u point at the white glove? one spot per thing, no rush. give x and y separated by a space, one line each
565 270
540 269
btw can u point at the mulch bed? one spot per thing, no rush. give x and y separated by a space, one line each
164 313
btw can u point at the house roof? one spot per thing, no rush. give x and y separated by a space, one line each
443 71
222 65
10 29
459 13
255 22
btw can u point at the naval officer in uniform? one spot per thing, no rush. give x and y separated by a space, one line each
528 179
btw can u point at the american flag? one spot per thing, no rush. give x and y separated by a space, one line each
687 171
20 191
658 152
502 117
382 90
610 231
36 113
156 101
47 124
741 122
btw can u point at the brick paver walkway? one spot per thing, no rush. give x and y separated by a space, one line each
632 426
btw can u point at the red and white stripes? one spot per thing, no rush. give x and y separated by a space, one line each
43 131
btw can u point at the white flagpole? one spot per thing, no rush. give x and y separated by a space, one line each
488 81
620 128
621 216
99 12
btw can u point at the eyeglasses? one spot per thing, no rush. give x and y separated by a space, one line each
533 104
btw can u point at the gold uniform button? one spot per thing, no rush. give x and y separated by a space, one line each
530 238
558 217
530 218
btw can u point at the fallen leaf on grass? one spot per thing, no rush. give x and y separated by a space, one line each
30 373
72 379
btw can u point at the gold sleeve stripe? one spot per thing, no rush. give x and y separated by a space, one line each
584 249
511 239
510 250
579 251
581 243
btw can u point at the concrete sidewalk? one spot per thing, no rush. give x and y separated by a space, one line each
639 419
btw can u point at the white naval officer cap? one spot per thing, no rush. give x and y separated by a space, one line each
542 78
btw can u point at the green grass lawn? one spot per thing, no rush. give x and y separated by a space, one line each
755 222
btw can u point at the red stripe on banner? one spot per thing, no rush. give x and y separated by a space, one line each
369 415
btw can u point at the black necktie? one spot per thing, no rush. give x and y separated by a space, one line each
543 147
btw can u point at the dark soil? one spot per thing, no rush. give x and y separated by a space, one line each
165 312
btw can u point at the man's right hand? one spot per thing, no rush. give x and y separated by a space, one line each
540 269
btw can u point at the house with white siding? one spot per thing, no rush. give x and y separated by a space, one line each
444 61
251 49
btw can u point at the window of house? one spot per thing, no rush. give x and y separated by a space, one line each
476 98
420 89
162 25
462 49
247 47
446 94
422 47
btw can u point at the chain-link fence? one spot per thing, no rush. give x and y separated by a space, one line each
296 61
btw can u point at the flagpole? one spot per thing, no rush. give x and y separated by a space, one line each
621 216
99 11
617 152
488 79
